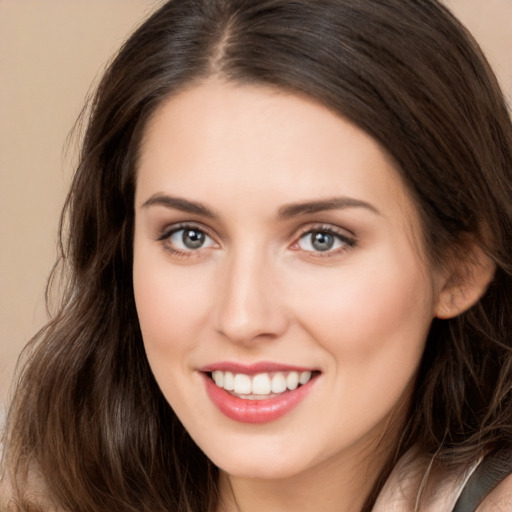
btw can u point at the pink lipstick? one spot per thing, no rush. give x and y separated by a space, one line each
257 393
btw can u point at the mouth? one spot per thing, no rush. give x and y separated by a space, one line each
253 395
261 386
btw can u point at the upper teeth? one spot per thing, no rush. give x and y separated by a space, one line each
260 384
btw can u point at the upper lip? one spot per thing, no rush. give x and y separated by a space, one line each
254 368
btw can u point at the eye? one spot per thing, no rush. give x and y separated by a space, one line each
187 239
324 241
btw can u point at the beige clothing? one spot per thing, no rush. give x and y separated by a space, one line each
402 492
406 489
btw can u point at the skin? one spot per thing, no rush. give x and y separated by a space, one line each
259 291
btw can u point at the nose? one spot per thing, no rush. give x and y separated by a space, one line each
251 306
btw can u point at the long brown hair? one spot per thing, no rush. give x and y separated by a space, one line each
88 417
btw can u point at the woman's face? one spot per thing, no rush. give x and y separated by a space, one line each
275 244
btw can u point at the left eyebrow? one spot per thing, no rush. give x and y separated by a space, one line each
334 203
179 203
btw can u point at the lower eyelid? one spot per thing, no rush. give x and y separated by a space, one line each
346 242
164 236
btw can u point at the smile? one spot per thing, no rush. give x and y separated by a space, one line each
257 394
260 386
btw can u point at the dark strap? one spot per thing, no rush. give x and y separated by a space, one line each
491 471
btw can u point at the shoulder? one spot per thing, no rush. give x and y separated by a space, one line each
418 483
500 498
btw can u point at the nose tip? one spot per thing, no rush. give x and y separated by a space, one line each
251 307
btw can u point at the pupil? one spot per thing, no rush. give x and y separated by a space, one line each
193 239
322 241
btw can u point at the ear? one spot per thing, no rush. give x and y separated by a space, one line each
465 283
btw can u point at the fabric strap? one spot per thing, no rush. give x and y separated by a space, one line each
492 470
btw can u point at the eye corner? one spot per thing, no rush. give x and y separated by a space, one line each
173 239
330 241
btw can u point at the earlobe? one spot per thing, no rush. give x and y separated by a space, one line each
466 284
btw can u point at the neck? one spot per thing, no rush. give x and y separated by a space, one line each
333 486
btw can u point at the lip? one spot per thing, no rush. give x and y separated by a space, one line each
255 411
255 368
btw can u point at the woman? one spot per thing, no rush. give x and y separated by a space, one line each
289 256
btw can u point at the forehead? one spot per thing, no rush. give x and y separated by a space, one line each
224 144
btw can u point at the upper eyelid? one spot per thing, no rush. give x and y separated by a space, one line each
346 237
331 228
169 229
343 233
165 234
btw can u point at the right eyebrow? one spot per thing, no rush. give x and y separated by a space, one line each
334 203
179 203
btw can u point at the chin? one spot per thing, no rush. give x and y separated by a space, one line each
260 463
261 470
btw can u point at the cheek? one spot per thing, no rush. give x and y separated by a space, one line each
373 326
362 312
171 305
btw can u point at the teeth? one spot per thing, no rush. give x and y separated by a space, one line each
243 384
292 381
260 385
229 381
218 378
278 383
304 377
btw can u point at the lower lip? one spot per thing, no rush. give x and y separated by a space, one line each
255 411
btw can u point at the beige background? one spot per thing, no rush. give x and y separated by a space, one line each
51 51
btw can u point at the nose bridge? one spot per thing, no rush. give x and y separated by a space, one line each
250 306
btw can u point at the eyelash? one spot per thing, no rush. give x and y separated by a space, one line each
347 242
170 231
